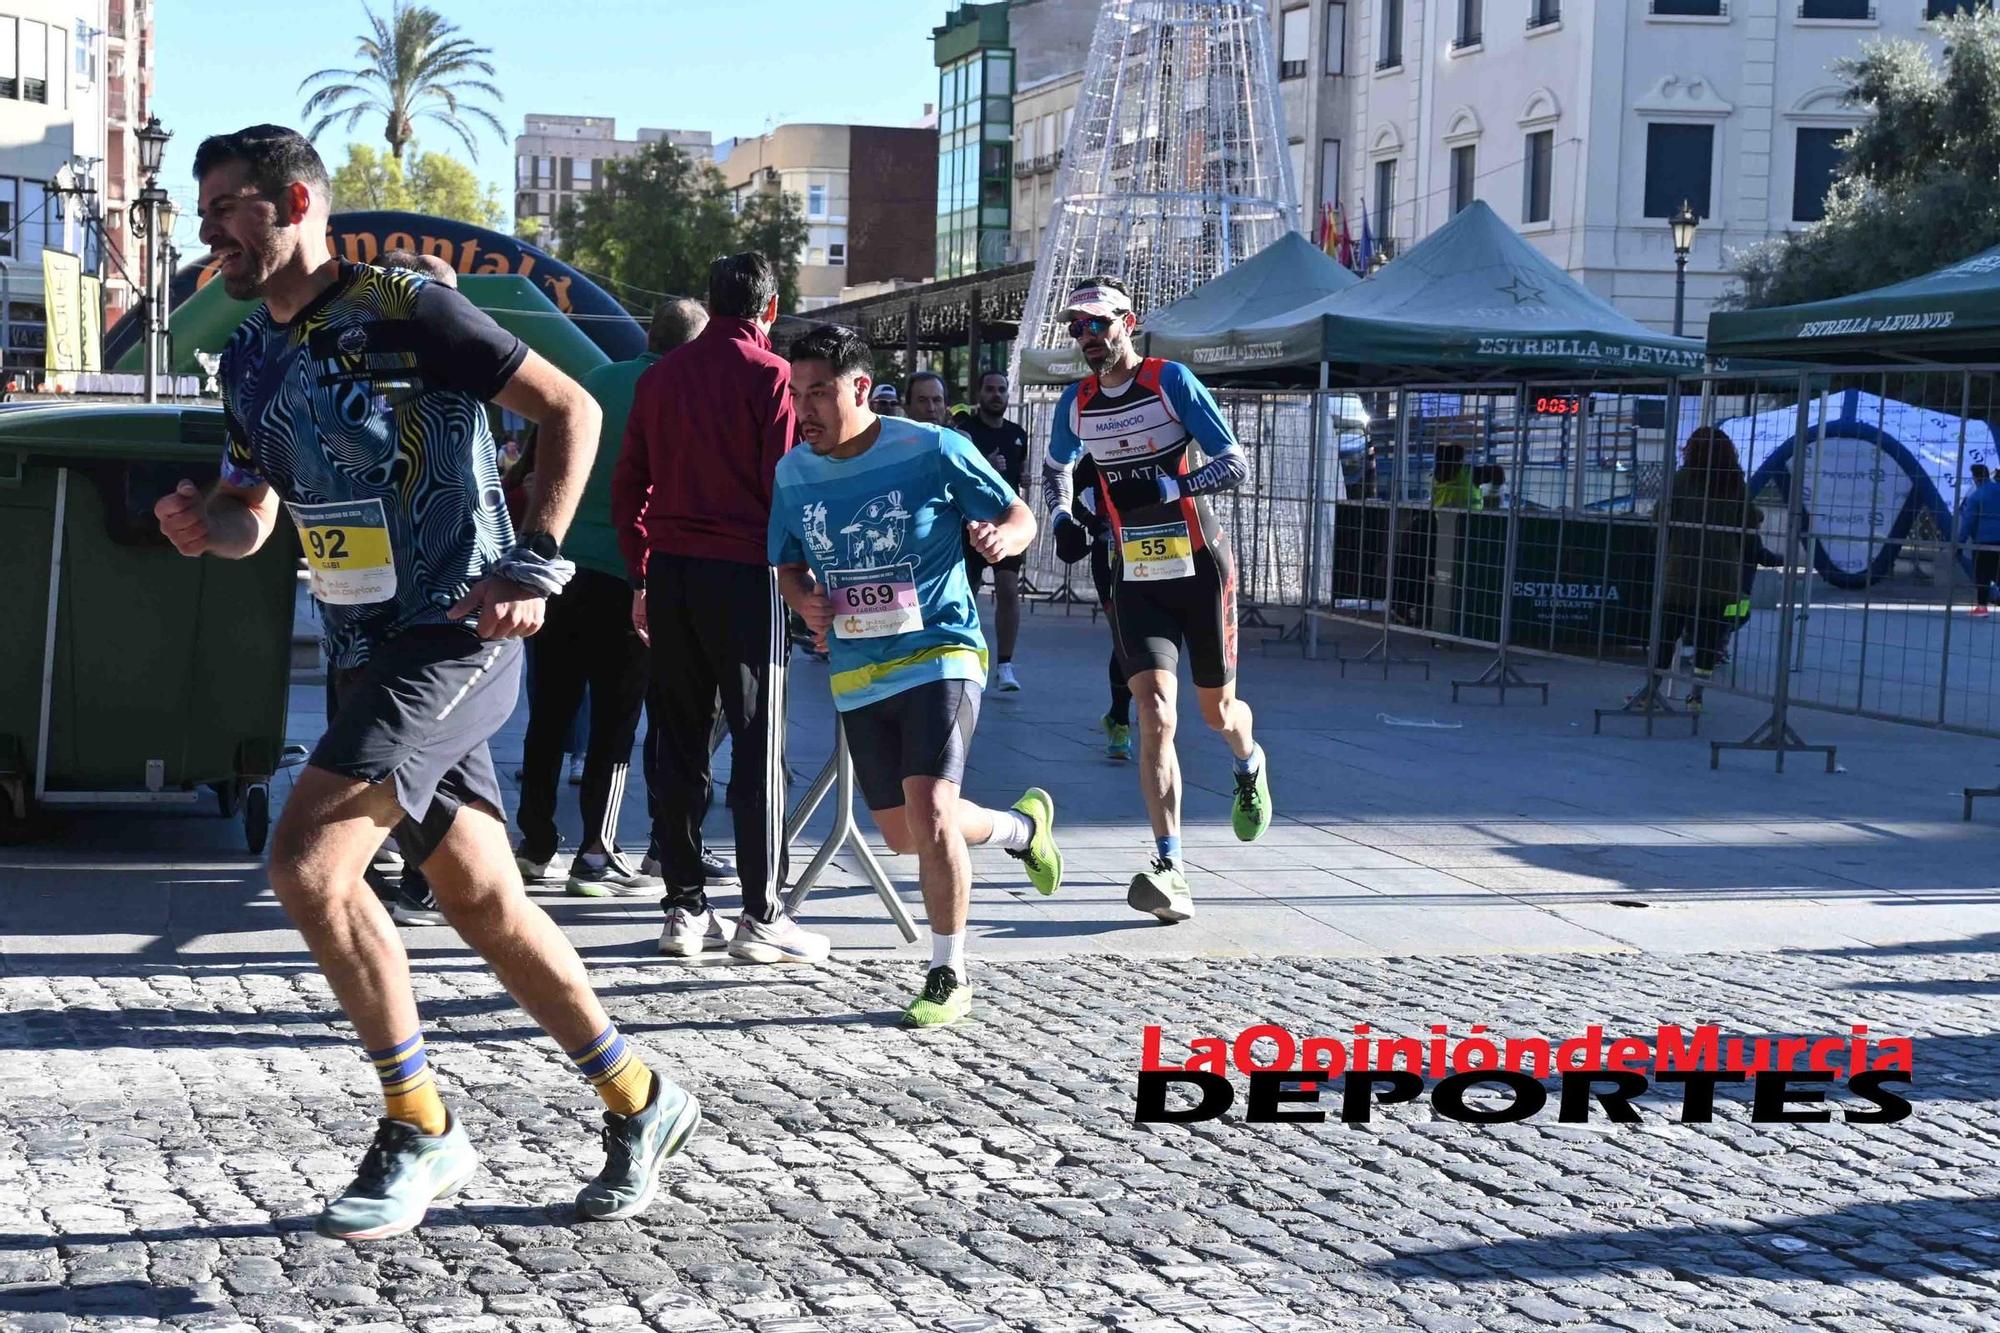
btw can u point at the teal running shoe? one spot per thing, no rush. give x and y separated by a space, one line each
1117 740
634 1147
403 1172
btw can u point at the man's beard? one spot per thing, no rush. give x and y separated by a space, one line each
244 286
248 283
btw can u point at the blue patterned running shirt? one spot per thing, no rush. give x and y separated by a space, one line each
366 413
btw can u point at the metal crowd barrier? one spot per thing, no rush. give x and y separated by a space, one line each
838 778
1858 476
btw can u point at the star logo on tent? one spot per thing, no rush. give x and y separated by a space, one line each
1522 292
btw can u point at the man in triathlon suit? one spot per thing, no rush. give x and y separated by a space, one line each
1173 581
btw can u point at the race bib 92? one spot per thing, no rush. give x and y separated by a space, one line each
347 549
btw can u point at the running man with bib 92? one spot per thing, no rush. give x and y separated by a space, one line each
1140 421
354 400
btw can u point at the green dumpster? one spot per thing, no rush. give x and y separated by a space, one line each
129 674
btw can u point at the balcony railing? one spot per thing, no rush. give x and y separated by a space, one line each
1390 60
1852 11
1024 167
1692 8
1465 39
1542 16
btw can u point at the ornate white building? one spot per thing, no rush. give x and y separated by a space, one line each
1586 124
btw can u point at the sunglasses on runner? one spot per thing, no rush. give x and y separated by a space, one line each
1095 325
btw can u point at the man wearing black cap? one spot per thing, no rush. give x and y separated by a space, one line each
1148 425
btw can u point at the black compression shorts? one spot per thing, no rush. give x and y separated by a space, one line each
922 732
1150 621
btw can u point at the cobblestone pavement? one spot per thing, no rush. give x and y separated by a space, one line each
167 1132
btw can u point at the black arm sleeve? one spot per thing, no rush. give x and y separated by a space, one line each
460 347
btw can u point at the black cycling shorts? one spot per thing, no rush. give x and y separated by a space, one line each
419 714
1150 621
922 732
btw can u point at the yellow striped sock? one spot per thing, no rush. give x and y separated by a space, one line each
408 1089
619 1075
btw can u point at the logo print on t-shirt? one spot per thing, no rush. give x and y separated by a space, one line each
813 516
353 340
875 536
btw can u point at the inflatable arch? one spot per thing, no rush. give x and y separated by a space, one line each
1883 464
362 237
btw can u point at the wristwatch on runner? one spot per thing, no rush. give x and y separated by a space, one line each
540 544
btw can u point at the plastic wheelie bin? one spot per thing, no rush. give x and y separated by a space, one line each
129 674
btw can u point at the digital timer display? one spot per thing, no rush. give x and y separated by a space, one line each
1559 405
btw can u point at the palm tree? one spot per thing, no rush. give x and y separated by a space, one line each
414 65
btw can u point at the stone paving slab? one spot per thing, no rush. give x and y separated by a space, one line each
166 1134
179 1094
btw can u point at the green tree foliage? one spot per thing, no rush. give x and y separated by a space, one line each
414 66
430 183
658 219
1920 184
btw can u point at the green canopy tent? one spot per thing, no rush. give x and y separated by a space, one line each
204 322
1473 301
1952 315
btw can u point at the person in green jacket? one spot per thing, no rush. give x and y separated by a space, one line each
1452 486
590 638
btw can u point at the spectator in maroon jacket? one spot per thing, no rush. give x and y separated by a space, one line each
691 503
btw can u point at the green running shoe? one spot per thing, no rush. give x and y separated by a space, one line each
1043 858
1251 814
1163 891
945 1000
634 1147
1117 740
403 1172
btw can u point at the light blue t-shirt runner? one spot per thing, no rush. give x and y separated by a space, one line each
884 532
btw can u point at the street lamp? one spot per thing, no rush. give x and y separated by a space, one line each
1684 224
152 147
154 216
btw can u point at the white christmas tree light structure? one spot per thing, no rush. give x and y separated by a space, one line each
1175 168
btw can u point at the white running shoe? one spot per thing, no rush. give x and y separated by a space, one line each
780 941
690 934
1004 679
532 872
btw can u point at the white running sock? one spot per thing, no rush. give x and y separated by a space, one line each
949 951
1012 831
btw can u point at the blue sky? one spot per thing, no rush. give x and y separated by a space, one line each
728 67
